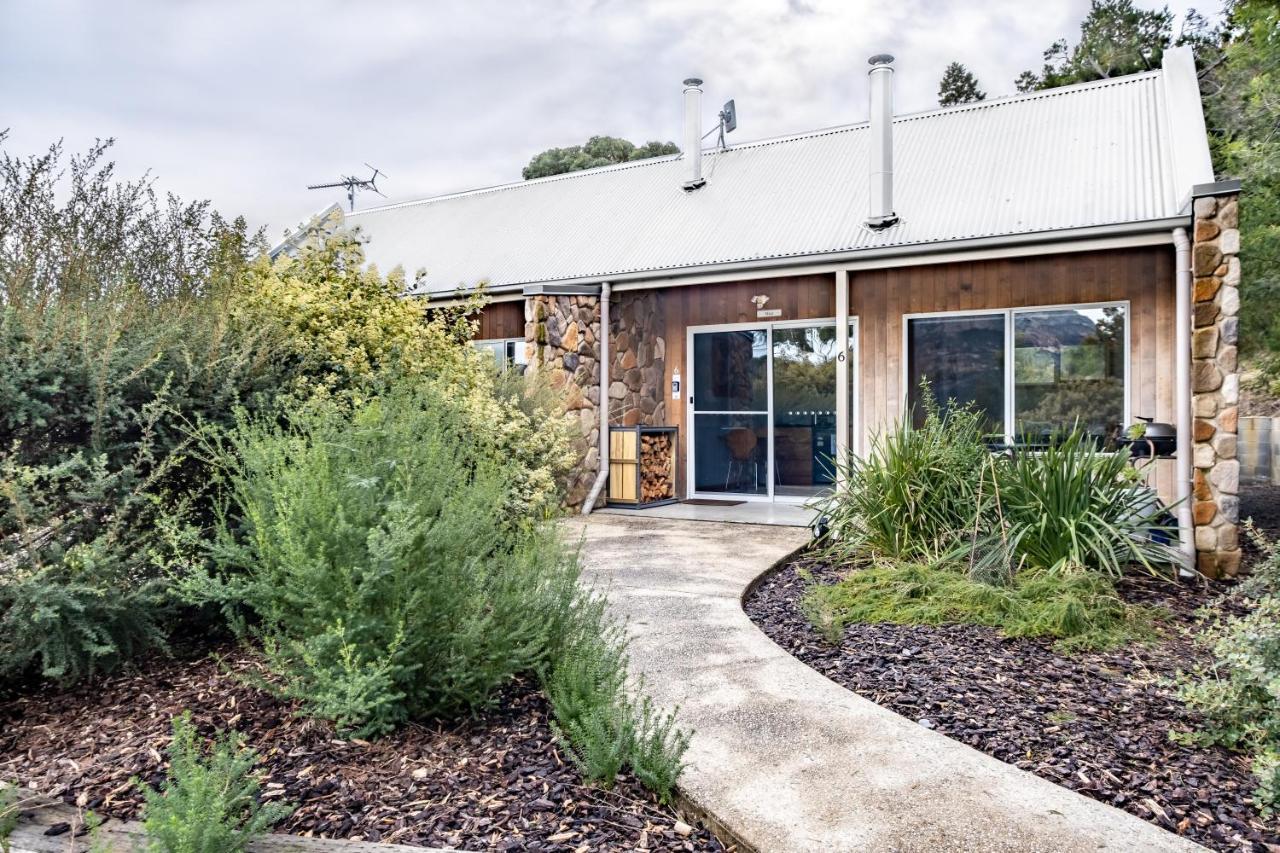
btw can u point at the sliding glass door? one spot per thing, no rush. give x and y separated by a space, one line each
762 409
730 404
804 409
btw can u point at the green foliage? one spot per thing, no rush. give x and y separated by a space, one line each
598 151
958 86
1264 574
601 728
117 329
1239 694
210 804
375 547
914 495
1072 506
8 814
347 329
658 749
935 493
1242 112
1080 609
1116 38
587 690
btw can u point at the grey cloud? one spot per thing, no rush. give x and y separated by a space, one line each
247 102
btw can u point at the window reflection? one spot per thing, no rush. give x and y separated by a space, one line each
1068 370
963 360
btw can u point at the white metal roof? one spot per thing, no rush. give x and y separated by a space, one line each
1125 150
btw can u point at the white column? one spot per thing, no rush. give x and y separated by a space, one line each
843 415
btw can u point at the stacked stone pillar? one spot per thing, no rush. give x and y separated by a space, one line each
1215 384
638 356
562 333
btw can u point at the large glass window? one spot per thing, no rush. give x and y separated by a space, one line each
962 358
508 353
1068 368
1063 367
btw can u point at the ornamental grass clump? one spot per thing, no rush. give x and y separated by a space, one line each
914 495
1072 506
935 529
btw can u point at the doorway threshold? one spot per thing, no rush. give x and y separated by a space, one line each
747 512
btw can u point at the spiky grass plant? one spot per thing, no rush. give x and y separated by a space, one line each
1072 506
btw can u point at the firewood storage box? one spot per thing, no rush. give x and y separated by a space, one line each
642 466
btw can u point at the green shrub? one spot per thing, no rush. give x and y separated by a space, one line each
1080 609
118 328
1073 506
372 546
1239 694
659 748
915 494
601 728
210 804
80 587
1264 573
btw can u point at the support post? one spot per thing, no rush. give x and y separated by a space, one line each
843 415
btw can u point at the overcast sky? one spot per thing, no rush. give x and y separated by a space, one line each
246 103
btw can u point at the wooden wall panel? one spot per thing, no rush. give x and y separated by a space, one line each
501 320
880 298
1142 276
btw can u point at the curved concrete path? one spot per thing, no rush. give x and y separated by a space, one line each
788 760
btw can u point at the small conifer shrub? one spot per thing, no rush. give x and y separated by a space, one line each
210 802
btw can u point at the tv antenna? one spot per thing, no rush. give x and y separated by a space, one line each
728 124
353 183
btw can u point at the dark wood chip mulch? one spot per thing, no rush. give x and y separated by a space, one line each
1097 723
496 782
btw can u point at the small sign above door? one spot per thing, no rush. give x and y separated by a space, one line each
765 313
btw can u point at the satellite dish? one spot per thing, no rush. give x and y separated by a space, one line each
729 116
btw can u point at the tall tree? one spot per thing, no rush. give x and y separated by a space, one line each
598 151
958 86
1241 95
1115 39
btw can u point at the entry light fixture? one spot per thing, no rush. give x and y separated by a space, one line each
760 301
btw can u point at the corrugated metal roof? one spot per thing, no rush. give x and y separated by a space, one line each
1080 156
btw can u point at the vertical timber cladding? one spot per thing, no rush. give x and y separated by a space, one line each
1144 276
501 320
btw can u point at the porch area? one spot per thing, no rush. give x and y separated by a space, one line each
775 514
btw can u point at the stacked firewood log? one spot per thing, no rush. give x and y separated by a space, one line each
657 471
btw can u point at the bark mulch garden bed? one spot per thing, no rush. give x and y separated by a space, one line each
495 782
1096 722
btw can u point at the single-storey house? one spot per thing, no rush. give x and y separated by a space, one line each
1057 257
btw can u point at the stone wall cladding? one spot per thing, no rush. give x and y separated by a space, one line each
638 360
562 334
1215 384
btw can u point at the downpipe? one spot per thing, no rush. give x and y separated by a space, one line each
1182 395
605 291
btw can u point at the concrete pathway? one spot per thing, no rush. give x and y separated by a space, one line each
787 759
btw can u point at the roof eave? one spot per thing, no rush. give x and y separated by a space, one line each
912 250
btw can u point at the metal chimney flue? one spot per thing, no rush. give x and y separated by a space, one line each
880 185
693 134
